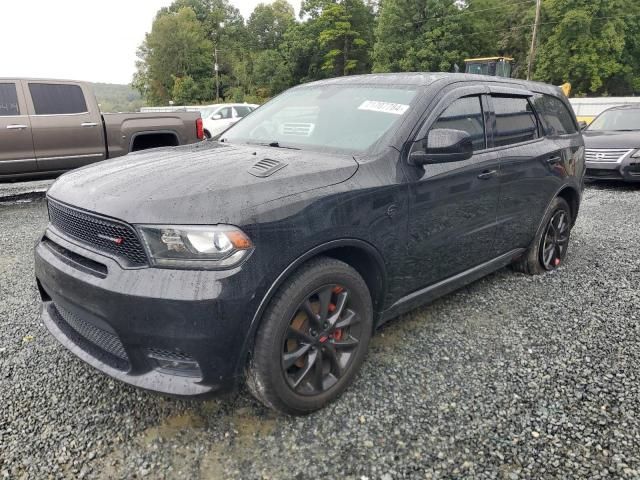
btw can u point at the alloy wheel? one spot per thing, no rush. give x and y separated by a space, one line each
321 340
555 241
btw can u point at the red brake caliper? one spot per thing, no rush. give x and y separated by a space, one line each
337 334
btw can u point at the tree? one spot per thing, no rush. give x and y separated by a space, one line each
175 48
419 35
593 45
270 73
268 24
344 37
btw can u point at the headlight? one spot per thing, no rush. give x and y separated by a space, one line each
636 154
197 247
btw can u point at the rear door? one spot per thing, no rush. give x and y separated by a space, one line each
66 134
453 206
527 160
16 144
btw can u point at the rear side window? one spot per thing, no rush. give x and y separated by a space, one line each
53 99
554 115
465 114
243 111
515 121
8 100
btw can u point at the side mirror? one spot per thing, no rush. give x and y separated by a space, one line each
583 125
217 116
443 145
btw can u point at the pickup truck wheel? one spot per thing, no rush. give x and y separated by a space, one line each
313 338
551 244
207 135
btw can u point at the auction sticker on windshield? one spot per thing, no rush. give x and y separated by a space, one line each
384 107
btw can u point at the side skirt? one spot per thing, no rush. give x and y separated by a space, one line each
432 292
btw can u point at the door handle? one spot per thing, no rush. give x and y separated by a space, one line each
89 124
16 127
554 160
487 174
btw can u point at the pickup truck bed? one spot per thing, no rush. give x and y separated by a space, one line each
50 126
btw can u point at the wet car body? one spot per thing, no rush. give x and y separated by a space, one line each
413 233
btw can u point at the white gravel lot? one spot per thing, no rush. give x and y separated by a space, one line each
512 377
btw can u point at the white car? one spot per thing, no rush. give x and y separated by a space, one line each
217 118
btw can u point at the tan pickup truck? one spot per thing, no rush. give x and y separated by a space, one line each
49 126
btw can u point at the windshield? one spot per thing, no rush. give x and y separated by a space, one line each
620 119
350 118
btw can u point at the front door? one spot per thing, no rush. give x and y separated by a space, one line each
453 206
66 134
16 144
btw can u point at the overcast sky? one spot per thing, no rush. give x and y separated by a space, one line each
92 40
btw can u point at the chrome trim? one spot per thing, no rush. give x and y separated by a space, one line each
17 127
88 155
18 160
606 155
58 114
89 124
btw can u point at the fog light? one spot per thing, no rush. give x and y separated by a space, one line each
174 363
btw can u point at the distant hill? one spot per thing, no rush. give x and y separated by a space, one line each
117 98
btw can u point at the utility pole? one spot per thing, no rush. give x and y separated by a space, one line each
532 53
215 67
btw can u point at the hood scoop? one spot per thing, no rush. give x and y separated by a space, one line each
266 167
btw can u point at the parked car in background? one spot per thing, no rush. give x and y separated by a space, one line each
612 144
49 126
272 254
217 118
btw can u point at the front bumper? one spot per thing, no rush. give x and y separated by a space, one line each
177 332
626 169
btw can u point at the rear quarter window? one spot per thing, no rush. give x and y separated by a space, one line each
8 100
515 120
56 99
554 115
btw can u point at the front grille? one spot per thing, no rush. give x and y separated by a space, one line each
107 341
99 232
611 155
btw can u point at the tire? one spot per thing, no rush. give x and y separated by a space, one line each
534 261
207 135
293 323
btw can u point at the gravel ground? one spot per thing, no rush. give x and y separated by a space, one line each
511 377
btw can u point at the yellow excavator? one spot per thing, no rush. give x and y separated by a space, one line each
499 67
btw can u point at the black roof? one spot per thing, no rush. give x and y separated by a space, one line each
427 78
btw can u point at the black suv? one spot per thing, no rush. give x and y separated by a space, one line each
271 254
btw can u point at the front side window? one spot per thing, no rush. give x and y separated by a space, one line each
56 99
226 112
554 115
465 114
515 121
348 118
8 100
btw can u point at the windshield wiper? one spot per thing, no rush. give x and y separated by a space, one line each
276 144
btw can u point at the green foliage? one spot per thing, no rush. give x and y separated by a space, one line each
274 51
117 98
340 34
592 45
175 48
268 23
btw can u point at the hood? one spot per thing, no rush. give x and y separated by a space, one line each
205 183
611 139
